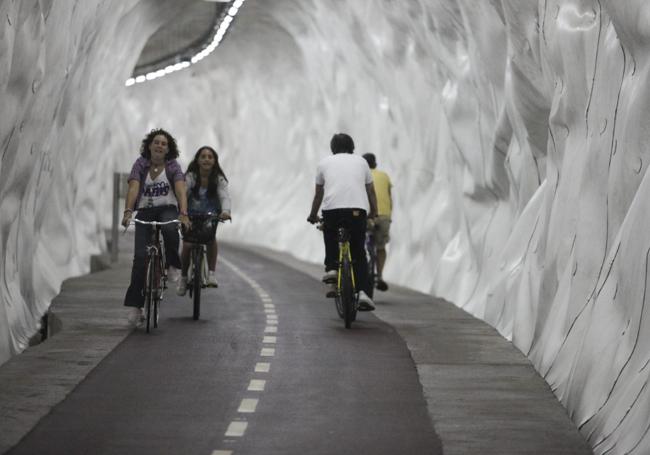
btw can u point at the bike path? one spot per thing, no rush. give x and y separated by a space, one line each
482 393
268 369
415 363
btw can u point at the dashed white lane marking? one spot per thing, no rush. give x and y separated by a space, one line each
236 429
257 385
262 367
248 405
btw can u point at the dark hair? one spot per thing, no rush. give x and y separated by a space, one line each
213 178
341 143
370 158
172 154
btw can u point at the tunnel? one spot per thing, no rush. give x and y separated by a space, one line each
510 131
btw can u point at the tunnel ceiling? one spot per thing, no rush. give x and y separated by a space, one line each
183 33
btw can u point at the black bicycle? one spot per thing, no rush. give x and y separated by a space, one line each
156 272
202 232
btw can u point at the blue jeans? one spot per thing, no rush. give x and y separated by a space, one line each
135 293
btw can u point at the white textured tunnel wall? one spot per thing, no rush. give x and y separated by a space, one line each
514 131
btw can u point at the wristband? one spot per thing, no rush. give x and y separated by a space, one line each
183 213
128 210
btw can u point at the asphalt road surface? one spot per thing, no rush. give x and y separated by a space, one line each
268 369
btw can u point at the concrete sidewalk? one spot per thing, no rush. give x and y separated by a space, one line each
483 395
91 323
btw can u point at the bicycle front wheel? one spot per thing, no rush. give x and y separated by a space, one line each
149 290
158 290
197 260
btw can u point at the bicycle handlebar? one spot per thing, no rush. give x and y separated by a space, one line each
150 223
154 223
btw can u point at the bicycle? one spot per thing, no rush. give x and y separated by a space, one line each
371 256
346 295
156 272
200 234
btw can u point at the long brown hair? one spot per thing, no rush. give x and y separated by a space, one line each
213 178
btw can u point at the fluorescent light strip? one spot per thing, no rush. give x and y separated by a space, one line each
218 36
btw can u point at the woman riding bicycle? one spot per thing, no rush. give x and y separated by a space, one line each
207 191
157 191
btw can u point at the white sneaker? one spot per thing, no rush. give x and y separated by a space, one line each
173 274
365 302
330 276
212 281
136 317
181 289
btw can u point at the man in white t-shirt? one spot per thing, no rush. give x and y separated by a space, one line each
344 188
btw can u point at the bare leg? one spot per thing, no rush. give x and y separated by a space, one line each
212 255
381 260
185 259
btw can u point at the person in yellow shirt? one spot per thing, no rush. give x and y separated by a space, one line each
383 187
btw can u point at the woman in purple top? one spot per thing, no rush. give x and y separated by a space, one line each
156 192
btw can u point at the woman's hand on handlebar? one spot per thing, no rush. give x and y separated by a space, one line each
126 218
185 221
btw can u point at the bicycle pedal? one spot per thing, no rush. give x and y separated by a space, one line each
364 307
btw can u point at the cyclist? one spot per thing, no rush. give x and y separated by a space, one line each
383 186
344 188
157 191
207 189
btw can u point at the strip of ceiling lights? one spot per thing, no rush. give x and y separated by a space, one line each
221 29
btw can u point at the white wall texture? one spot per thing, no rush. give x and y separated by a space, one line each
514 132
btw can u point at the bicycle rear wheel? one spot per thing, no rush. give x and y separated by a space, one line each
338 299
347 294
197 259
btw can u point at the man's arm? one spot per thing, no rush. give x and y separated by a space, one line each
315 205
372 198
